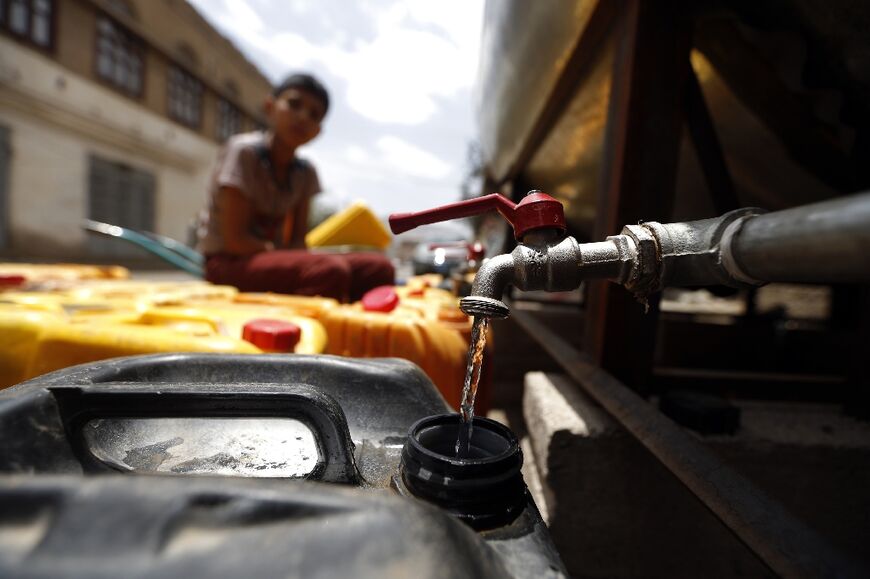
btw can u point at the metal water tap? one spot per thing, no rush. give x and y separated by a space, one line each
545 259
816 243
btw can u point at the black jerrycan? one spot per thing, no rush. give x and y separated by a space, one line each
187 465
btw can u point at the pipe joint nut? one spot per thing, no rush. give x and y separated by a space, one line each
643 278
626 249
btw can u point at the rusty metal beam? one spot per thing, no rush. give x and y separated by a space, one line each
784 543
642 141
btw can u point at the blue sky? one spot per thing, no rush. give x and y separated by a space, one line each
400 74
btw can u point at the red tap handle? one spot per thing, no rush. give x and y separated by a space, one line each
402 222
535 211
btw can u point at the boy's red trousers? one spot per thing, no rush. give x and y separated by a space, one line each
298 271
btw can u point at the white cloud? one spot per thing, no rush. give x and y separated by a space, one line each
411 160
397 77
242 15
357 155
391 175
421 51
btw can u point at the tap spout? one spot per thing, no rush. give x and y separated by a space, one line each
545 260
489 285
549 261
494 276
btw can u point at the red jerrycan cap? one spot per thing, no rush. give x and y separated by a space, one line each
12 280
380 299
272 335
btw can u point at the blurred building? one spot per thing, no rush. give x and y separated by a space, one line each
111 110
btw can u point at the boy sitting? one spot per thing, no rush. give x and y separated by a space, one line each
253 235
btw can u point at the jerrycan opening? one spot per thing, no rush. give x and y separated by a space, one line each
484 488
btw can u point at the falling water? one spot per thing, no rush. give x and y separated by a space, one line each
472 379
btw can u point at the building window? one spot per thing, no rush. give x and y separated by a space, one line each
120 57
29 20
5 162
120 195
229 120
185 97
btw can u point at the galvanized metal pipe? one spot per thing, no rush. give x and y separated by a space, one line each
821 242
785 544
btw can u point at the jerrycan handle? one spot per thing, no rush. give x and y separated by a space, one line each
318 410
537 210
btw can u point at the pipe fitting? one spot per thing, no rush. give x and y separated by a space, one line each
550 264
544 261
493 277
642 279
726 250
613 259
691 253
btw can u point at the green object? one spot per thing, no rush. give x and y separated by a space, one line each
166 248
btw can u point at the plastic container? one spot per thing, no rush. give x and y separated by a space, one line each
484 488
439 350
148 292
231 319
355 226
34 342
436 305
119 295
206 312
41 273
225 528
44 336
313 307
425 327
257 417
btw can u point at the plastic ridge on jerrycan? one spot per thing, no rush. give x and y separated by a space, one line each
35 273
146 292
34 342
208 316
372 428
38 340
313 307
230 320
88 298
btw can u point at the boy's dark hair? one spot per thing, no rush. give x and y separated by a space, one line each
305 82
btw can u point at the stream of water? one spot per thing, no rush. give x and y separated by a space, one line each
472 379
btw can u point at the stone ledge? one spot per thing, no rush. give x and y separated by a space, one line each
615 511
